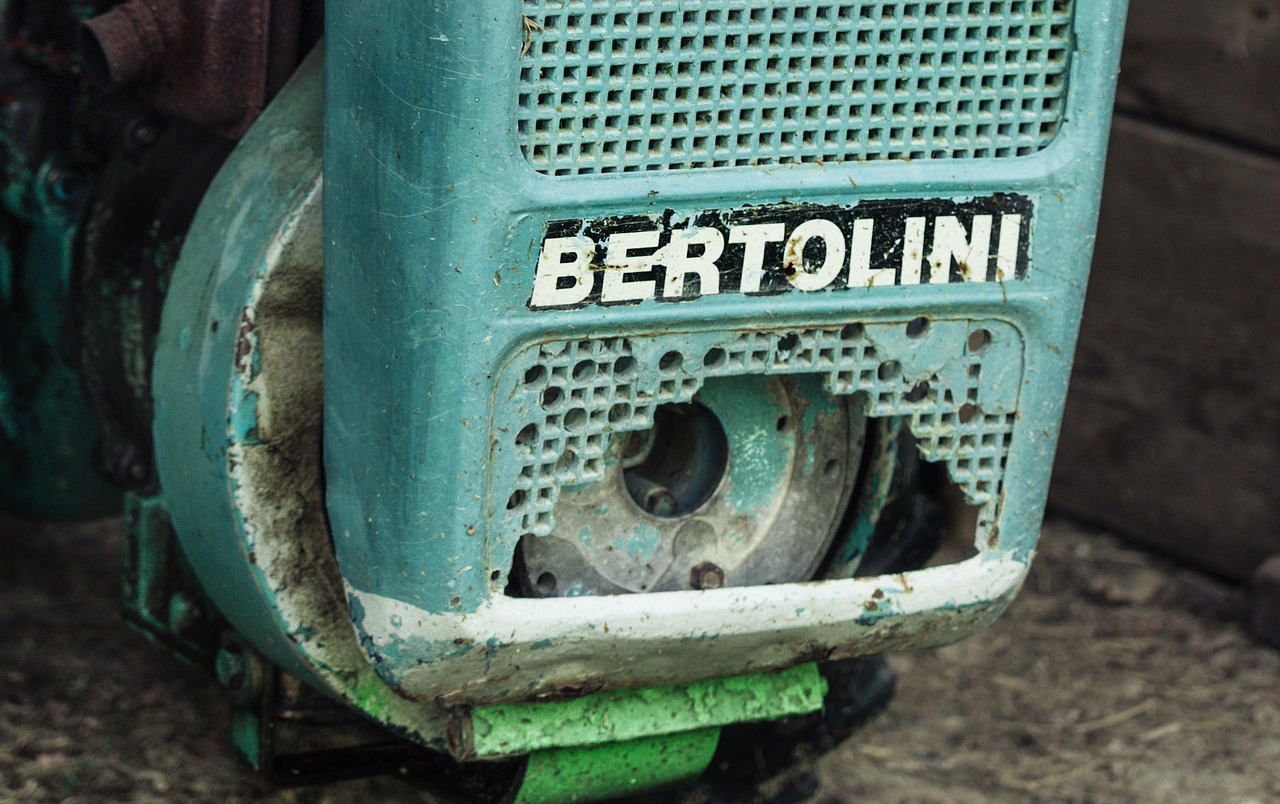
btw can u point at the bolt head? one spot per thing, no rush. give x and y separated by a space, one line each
706 576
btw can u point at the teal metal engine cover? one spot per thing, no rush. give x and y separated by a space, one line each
552 225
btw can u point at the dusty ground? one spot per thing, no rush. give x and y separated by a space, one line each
1115 677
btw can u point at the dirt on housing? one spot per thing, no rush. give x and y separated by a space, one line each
1116 676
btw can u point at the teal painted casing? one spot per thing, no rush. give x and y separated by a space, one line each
449 177
47 430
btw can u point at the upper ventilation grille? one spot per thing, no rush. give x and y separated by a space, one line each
611 86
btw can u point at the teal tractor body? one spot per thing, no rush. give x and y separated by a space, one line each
544 389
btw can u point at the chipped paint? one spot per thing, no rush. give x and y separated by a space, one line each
421 451
619 715
761 517
756 628
263 551
644 542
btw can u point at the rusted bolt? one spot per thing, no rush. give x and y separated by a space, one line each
182 613
143 134
241 671
661 502
706 576
232 668
65 186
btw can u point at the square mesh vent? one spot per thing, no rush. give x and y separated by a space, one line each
610 86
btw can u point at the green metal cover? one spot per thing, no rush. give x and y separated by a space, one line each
619 715
614 770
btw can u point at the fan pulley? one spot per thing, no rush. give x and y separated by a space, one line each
746 485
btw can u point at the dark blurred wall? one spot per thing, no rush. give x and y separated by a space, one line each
1172 428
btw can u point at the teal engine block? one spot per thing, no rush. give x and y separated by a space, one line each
549 399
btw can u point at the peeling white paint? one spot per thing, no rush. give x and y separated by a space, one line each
544 644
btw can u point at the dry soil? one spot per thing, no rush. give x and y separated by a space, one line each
1116 676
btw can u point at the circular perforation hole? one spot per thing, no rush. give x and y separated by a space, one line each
624 367
527 436
552 397
715 358
918 392
917 327
979 340
585 370
535 376
671 362
888 370
967 413
830 468
516 499
852 332
546 583
619 413
575 420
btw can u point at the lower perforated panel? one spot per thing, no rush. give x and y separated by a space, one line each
955 384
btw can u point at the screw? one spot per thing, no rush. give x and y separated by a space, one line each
65 186
182 613
661 502
706 576
143 134
231 668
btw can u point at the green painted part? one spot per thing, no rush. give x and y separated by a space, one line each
151 538
246 735
47 431
878 487
616 769
161 597
621 715
201 407
761 453
371 696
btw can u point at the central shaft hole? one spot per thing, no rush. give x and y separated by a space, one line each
675 467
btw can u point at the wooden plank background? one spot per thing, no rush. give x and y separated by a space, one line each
1211 66
1172 429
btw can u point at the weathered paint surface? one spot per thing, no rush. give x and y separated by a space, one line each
47 430
615 769
430 431
425 257
238 404
768 516
619 715
518 648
